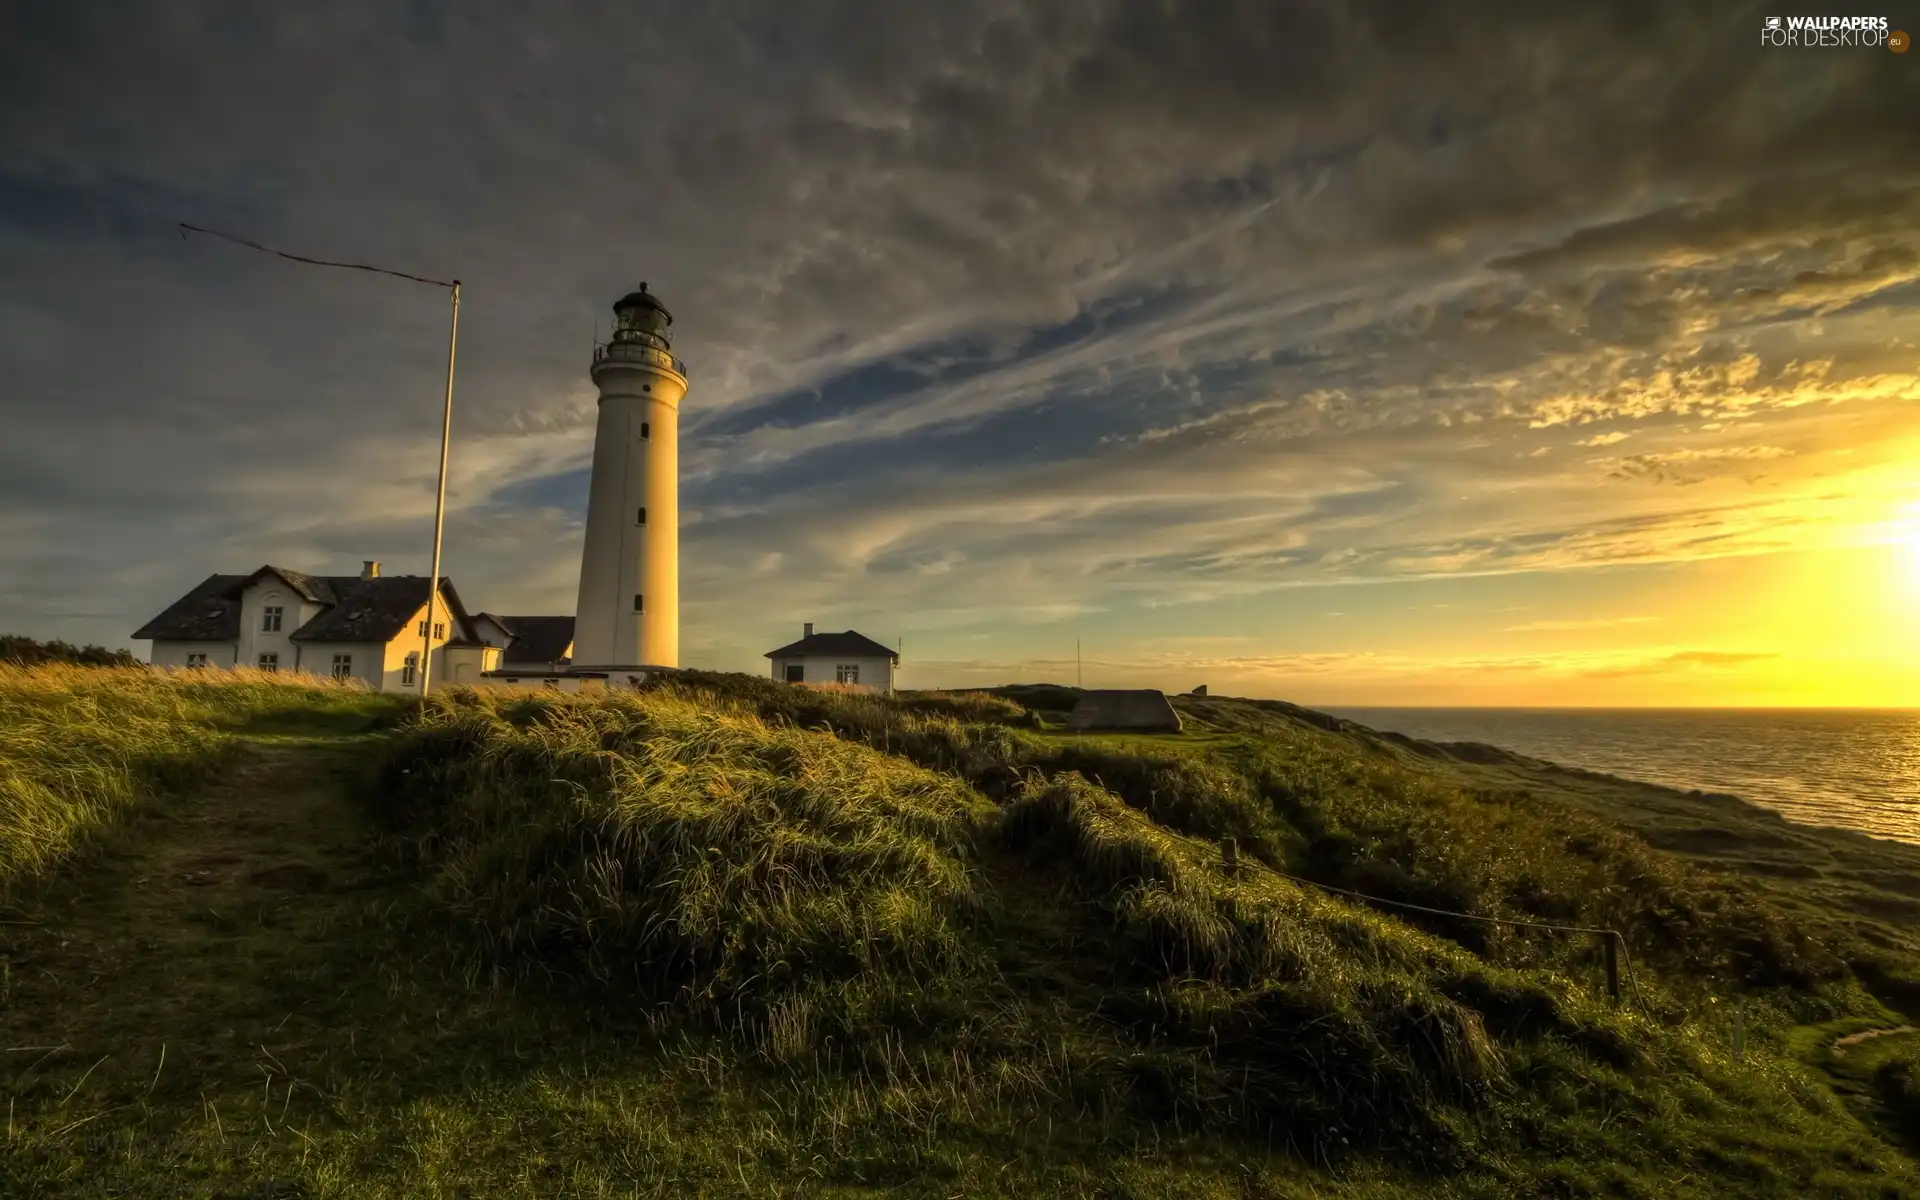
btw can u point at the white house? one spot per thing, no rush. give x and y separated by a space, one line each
848 658
368 627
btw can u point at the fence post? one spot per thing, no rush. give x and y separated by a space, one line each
1230 857
1613 965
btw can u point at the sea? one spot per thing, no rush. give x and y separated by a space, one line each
1859 769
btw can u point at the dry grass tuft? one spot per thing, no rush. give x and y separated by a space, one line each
81 747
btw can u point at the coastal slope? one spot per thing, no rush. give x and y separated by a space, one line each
731 937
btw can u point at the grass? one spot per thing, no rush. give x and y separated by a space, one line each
81 748
729 938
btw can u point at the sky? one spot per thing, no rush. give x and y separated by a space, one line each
1465 352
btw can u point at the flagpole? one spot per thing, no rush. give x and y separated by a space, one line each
440 502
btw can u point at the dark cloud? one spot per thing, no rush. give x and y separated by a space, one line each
1784 207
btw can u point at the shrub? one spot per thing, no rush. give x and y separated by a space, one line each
1896 1083
970 707
795 885
20 651
1315 1016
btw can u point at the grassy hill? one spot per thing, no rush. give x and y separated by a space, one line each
727 937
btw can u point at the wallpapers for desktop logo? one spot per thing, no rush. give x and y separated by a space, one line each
1873 32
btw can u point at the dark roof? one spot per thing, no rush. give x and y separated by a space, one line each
642 299
357 610
825 645
374 610
208 613
1145 708
314 588
536 640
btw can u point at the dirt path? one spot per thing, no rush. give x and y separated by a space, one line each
195 965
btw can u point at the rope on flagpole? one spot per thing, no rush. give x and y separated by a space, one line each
318 262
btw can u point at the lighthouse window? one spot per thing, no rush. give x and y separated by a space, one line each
646 387
642 518
637 607
646 429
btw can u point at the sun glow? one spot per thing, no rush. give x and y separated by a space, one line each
1910 561
1902 536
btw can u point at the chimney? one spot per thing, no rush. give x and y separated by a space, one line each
809 628
370 569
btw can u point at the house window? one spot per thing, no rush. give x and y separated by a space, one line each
408 668
637 606
196 661
439 630
796 673
270 619
642 518
342 666
422 631
646 430
269 662
846 673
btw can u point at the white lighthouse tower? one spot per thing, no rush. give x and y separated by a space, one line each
629 610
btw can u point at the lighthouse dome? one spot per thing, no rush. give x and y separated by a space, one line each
641 300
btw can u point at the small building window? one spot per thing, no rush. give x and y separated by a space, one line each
270 618
646 387
422 631
642 518
196 661
408 668
439 630
269 662
646 430
637 605
846 673
796 673
342 666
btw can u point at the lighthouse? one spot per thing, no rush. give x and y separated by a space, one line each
629 609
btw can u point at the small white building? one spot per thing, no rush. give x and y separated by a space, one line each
844 658
369 627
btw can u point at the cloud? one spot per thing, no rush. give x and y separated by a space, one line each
1684 466
1571 626
1680 661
